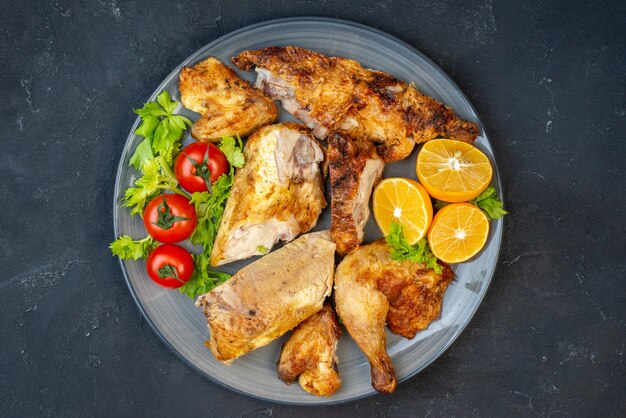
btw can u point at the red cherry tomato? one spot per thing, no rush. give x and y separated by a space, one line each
197 163
169 218
170 265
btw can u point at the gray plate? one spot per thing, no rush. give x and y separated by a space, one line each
182 326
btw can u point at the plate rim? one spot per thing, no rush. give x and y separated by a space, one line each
190 58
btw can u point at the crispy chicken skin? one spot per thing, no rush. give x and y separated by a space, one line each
228 105
269 297
371 289
277 195
337 94
355 168
309 354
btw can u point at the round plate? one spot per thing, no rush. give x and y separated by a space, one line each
183 327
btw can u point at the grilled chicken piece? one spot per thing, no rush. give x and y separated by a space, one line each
371 289
310 354
228 104
269 297
355 168
337 94
277 195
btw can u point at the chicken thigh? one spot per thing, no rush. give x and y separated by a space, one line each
371 289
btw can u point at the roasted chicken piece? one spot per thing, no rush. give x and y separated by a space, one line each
269 297
371 289
337 94
309 354
228 105
277 195
355 168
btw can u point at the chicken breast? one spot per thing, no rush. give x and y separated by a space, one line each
371 289
355 168
309 354
269 297
228 105
277 195
337 94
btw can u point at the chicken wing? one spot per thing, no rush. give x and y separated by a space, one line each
277 195
269 297
337 94
371 288
310 354
355 168
228 105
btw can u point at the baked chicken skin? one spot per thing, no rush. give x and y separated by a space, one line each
227 104
270 296
355 168
337 94
371 289
277 195
309 354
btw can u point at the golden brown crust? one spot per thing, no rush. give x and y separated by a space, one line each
269 297
347 159
414 300
371 289
340 95
258 196
428 119
228 105
309 354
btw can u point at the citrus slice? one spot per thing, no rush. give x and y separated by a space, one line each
458 232
453 171
406 202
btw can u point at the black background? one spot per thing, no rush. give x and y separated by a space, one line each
547 79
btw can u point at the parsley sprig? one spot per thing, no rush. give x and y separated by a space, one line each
488 201
128 249
401 249
204 279
157 176
161 130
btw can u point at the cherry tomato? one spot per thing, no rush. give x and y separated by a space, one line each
170 265
169 218
198 163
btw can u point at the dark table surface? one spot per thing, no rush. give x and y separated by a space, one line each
547 79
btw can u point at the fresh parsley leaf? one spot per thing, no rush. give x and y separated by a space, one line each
150 109
203 279
157 176
148 125
167 134
262 249
142 153
232 149
209 211
489 202
128 249
166 102
401 249
161 129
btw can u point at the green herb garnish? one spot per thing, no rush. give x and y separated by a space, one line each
401 249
